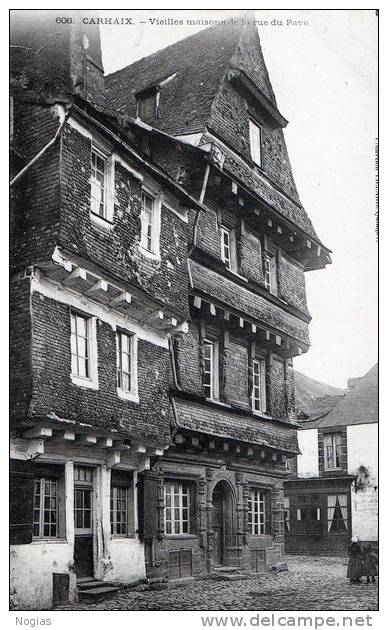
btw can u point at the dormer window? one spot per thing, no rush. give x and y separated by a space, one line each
255 139
147 105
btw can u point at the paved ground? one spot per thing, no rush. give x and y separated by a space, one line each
311 583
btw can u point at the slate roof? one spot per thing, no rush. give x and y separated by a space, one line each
199 61
194 416
246 302
358 406
323 405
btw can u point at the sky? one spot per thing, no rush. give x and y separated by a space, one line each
323 68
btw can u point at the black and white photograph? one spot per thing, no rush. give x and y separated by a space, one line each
193 325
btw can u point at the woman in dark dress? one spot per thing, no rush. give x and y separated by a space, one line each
355 553
371 564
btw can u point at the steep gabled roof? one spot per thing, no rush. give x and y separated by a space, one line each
199 62
358 406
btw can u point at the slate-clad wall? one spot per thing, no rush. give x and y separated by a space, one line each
54 392
35 198
20 345
117 249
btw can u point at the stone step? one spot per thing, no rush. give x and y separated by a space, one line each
225 569
83 586
99 592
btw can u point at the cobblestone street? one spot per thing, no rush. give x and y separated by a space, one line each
311 583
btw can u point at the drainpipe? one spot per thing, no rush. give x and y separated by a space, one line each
172 357
42 151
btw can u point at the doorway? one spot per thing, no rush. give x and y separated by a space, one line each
222 522
83 522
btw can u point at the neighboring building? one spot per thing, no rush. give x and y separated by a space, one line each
333 494
157 298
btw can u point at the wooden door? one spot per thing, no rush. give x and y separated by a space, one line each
218 525
83 522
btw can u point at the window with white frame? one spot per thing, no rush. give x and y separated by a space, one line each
332 450
257 511
210 369
178 507
228 248
83 499
258 397
83 345
124 346
270 273
147 221
80 345
99 184
255 139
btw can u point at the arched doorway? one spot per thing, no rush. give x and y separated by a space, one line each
222 521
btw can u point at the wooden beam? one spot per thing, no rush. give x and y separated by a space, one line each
39 432
35 448
68 436
76 277
106 442
122 300
87 440
97 287
113 459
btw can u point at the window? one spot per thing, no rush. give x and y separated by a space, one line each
45 508
210 369
270 273
302 514
228 248
48 501
258 506
99 185
178 507
121 503
255 142
147 219
332 450
80 345
258 385
147 106
83 344
83 500
337 513
119 511
124 362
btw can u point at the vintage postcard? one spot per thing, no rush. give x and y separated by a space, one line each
193 330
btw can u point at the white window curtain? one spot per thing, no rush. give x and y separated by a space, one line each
337 512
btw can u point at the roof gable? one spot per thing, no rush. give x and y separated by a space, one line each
199 62
358 406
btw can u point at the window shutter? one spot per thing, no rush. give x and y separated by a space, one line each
21 501
148 502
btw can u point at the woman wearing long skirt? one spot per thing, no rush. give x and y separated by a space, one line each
355 553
